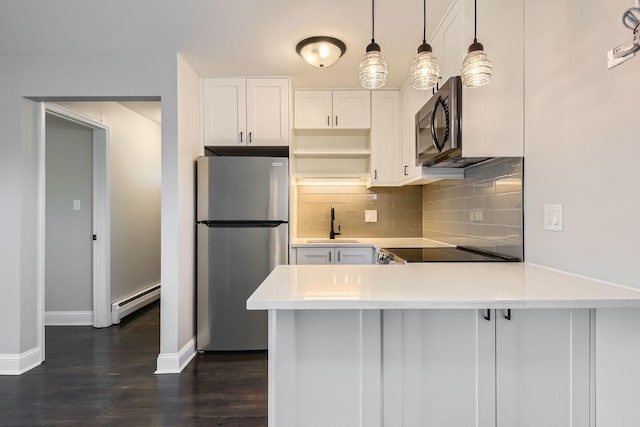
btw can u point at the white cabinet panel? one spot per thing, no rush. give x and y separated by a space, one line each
351 109
325 109
313 109
325 369
268 112
315 256
542 363
345 255
412 101
334 255
453 49
385 137
431 361
617 350
224 111
246 111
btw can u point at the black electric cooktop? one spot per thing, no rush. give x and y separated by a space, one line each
451 254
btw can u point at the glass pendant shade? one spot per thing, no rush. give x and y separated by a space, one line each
373 68
321 51
476 67
425 69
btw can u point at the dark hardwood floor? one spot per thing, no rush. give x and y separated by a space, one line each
105 377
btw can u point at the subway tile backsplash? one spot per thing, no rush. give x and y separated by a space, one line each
399 211
484 210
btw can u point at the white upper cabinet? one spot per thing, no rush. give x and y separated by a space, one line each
492 115
344 109
412 101
313 109
224 111
351 109
268 111
386 143
246 111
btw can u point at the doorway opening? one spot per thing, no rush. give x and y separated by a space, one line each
99 224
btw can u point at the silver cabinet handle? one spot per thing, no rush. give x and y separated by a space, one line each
375 174
328 121
329 256
250 139
241 141
405 170
338 256
336 121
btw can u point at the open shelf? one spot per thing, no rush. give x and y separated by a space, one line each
332 153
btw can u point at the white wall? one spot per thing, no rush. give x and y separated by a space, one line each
134 168
190 146
68 254
140 74
581 139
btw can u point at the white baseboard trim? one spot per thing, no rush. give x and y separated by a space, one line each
68 318
18 364
174 363
120 309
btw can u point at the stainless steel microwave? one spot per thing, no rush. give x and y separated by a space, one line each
439 129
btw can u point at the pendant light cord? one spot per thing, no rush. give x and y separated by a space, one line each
475 21
424 23
373 21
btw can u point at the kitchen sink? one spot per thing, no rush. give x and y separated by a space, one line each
332 241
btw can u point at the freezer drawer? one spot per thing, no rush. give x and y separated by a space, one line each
243 188
232 262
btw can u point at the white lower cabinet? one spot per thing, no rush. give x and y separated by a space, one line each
333 255
502 368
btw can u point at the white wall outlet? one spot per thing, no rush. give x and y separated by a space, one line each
553 217
479 215
76 205
370 215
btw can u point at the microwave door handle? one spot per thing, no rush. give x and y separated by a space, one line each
434 135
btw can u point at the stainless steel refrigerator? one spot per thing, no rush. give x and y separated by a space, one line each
243 234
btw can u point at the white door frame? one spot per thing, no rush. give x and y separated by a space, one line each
101 216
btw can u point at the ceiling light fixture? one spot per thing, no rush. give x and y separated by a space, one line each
476 67
321 51
373 66
425 69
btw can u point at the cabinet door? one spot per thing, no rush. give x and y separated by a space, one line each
267 112
315 256
434 368
313 109
351 109
452 47
224 111
412 101
385 137
542 363
353 255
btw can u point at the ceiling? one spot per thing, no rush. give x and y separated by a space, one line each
232 37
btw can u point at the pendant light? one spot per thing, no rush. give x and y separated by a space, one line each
425 69
476 67
373 66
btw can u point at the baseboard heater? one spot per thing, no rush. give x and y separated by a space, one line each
136 301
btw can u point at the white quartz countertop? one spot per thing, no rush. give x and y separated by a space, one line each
408 242
434 285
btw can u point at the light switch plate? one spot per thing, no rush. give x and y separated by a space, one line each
370 215
553 217
76 205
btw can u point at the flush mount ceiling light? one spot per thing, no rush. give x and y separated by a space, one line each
476 67
321 51
373 66
425 69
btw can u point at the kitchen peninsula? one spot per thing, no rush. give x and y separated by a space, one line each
433 344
